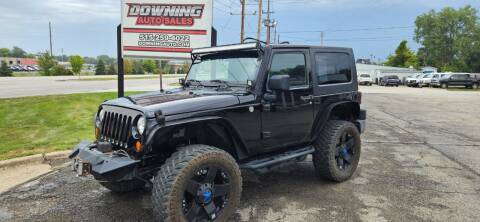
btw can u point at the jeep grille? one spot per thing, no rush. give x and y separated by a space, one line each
116 129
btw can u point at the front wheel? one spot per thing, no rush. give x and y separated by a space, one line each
444 86
337 151
475 86
197 183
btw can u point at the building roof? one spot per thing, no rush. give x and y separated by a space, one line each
361 66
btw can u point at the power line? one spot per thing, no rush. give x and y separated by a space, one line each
350 30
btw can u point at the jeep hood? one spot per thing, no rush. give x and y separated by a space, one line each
177 101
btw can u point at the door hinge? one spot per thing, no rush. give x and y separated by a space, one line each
266 135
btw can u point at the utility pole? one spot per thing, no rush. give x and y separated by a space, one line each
242 33
275 32
268 22
243 14
50 30
259 31
322 34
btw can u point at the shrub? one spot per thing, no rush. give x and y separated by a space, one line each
4 70
59 70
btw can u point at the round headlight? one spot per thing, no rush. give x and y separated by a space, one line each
141 125
99 119
101 115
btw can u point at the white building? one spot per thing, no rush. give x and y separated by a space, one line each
378 71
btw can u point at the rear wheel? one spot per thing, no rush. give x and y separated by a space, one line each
337 151
197 183
124 186
475 86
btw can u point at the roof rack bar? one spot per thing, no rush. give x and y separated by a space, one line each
226 48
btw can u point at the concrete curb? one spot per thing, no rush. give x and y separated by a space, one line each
38 158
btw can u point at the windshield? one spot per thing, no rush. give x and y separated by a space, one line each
235 69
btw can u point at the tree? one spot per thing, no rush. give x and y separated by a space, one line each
4 70
138 68
100 68
184 68
149 66
46 62
106 59
18 52
90 60
76 62
403 57
127 66
112 70
4 52
449 38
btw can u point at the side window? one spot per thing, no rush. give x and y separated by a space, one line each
332 68
292 64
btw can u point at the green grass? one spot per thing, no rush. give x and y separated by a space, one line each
25 74
33 125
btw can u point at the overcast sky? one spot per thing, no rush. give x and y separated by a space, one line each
88 27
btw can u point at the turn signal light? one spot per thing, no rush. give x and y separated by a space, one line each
97 133
138 146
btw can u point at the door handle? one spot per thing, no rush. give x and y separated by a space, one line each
308 98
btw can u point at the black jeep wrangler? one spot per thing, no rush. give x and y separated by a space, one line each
241 107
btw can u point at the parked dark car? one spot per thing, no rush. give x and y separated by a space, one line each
462 80
249 106
392 80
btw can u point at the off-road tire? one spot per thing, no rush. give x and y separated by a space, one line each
124 186
170 182
325 148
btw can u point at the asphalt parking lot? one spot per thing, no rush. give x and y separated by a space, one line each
420 162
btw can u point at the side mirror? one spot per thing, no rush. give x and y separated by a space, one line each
181 81
279 82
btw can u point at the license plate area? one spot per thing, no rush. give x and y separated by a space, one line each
81 167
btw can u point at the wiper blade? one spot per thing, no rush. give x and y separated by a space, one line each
197 82
220 82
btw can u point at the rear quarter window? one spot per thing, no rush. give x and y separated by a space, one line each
333 68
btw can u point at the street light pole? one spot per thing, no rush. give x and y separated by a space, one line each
50 31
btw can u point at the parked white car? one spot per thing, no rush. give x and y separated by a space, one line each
413 81
426 80
365 79
437 77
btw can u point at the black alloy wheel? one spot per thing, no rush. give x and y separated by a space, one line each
345 152
206 194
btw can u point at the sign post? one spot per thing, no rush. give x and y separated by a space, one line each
121 88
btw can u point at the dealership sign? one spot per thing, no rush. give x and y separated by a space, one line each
167 29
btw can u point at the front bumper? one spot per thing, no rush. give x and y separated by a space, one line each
103 166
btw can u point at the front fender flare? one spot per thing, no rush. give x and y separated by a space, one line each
239 149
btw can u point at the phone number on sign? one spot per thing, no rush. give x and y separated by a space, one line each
164 37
